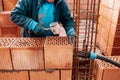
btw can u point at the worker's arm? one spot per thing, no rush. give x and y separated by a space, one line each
66 19
21 12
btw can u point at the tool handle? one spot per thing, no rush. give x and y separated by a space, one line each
108 60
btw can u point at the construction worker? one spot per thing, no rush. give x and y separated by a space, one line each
34 16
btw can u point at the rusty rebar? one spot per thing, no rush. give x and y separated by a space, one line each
98 8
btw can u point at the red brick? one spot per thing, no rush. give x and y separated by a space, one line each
19 31
9 31
0 33
117 32
5 58
105 70
5 19
42 75
66 74
118 27
58 53
1 6
115 51
14 75
9 4
27 53
116 42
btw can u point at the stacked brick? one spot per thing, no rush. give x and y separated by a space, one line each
9 4
107 71
5 59
1 6
26 54
35 58
108 27
7 27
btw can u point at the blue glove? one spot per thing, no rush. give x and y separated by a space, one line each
39 29
72 36
36 28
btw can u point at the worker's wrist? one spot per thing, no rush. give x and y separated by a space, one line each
32 25
71 32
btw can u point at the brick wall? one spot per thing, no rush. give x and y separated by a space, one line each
108 26
1 6
9 4
36 58
107 71
7 27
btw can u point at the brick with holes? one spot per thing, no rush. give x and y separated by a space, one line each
107 71
27 53
58 53
7 27
5 58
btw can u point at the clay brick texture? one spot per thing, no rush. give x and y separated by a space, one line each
1 6
9 4
5 58
58 53
108 26
5 19
107 71
27 53
66 74
42 75
14 75
7 27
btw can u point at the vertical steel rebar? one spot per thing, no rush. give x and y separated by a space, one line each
88 39
92 31
97 16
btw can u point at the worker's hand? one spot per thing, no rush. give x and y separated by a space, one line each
72 38
39 29
55 28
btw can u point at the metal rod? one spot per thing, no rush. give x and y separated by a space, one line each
94 1
98 8
86 27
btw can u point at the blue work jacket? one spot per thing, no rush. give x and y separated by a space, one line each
27 10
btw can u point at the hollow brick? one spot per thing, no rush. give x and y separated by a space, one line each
42 75
14 75
66 74
5 57
27 54
107 71
58 53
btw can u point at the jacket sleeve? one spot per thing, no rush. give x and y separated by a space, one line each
66 19
20 13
